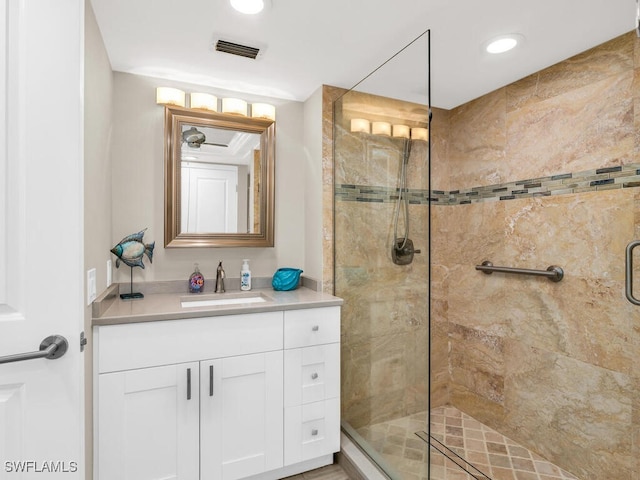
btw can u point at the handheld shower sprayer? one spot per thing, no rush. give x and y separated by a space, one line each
402 250
406 151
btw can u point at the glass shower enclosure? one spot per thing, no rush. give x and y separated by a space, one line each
381 187
510 375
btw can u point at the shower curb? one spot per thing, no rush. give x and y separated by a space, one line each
357 465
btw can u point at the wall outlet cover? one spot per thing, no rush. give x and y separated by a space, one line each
109 273
91 286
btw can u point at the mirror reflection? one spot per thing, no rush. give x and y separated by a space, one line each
219 173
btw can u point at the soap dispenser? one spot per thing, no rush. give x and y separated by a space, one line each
245 275
196 280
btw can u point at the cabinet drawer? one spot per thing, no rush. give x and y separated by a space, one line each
147 344
313 326
311 430
312 373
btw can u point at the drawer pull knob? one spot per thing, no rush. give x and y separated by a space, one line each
314 432
315 328
314 376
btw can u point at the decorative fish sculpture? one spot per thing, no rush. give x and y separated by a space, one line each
131 249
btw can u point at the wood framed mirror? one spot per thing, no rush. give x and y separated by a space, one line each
219 179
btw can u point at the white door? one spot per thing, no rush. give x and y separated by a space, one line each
149 424
41 235
241 401
210 195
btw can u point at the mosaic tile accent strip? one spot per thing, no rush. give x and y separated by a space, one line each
609 178
493 456
367 193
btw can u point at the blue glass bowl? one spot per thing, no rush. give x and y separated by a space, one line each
286 279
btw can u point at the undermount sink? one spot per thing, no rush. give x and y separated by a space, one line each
217 299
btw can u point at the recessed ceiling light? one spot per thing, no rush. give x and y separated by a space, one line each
503 43
250 7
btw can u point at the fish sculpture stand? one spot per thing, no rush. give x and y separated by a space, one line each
130 251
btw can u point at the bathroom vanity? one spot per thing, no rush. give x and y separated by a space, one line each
227 387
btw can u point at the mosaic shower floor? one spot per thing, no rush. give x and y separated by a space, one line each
492 455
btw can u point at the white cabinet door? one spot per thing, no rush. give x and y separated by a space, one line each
148 424
241 415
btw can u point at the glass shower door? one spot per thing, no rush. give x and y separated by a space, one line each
541 172
521 376
381 194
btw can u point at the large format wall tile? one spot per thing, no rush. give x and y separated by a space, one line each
592 66
477 140
589 127
573 413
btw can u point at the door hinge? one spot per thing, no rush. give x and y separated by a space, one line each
83 341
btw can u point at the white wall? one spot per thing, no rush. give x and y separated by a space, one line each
138 186
98 97
313 185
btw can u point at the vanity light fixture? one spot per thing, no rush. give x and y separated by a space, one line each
170 96
234 106
401 131
263 110
418 133
503 43
381 128
208 102
248 7
204 101
360 125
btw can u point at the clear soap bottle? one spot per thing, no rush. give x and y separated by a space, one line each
196 281
245 276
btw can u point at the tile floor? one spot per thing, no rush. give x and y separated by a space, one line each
473 450
330 472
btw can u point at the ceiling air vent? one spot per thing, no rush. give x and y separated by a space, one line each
237 49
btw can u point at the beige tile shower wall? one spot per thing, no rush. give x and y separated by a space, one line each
440 173
384 330
554 366
384 318
329 95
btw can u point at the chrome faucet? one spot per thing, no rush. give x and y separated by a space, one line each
220 279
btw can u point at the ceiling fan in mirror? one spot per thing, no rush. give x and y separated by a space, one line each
194 138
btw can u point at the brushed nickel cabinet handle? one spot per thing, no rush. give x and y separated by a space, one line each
188 384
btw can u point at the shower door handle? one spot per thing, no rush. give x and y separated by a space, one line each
628 283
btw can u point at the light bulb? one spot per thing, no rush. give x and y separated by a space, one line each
248 7
360 125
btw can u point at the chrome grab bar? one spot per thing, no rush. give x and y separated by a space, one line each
628 277
553 273
51 348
